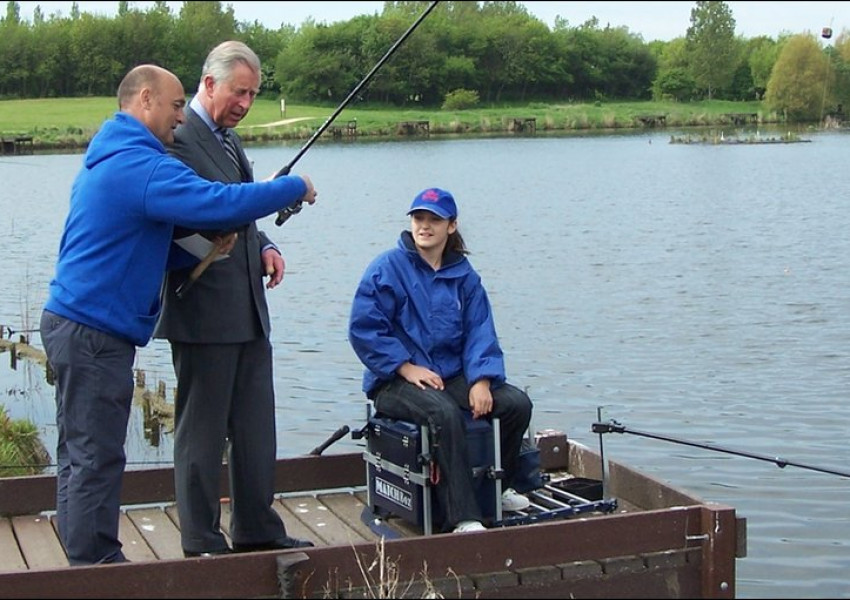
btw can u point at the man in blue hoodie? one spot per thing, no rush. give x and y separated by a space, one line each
104 299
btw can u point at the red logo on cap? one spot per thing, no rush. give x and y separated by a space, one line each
431 196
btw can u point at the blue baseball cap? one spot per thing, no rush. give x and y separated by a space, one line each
440 202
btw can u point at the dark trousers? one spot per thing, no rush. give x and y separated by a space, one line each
441 410
225 401
94 392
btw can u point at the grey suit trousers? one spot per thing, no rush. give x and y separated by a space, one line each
210 373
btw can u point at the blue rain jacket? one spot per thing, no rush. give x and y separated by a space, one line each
404 311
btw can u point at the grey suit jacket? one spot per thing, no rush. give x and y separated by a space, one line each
227 304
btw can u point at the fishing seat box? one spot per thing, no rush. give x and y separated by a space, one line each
398 470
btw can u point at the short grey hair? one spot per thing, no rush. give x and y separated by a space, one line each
222 59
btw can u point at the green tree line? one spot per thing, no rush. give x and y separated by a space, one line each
463 53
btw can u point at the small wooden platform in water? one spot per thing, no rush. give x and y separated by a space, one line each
724 140
16 144
413 128
652 120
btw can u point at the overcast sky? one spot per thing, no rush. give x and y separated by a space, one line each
652 20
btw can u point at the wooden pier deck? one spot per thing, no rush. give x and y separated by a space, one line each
150 533
658 534
150 530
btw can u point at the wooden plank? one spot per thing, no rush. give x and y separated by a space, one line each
10 555
295 527
39 543
348 507
403 528
133 543
323 522
159 531
171 511
718 572
226 513
399 526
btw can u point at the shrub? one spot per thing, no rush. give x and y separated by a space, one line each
21 450
460 99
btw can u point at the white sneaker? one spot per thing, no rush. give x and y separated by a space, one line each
469 527
512 501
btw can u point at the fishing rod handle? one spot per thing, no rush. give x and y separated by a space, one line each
292 209
201 267
196 273
283 215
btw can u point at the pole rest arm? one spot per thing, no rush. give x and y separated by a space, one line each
358 434
609 427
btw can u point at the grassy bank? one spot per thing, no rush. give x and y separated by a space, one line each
71 122
21 450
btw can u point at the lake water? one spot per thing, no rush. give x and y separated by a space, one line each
696 292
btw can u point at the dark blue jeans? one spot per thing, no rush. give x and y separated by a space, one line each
94 393
441 410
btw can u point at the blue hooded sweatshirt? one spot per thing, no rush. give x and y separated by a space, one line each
125 202
404 311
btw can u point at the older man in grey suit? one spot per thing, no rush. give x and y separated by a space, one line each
219 335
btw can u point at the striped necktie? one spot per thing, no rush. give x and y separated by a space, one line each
230 147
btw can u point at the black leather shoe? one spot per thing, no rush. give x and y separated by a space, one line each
190 554
284 544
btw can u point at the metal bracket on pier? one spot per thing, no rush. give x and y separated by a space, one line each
287 568
609 427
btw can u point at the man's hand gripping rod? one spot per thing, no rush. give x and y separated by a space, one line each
296 207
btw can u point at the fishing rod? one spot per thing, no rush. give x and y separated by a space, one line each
287 212
295 208
613 426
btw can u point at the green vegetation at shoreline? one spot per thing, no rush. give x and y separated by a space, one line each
21 450
69 123
466 55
